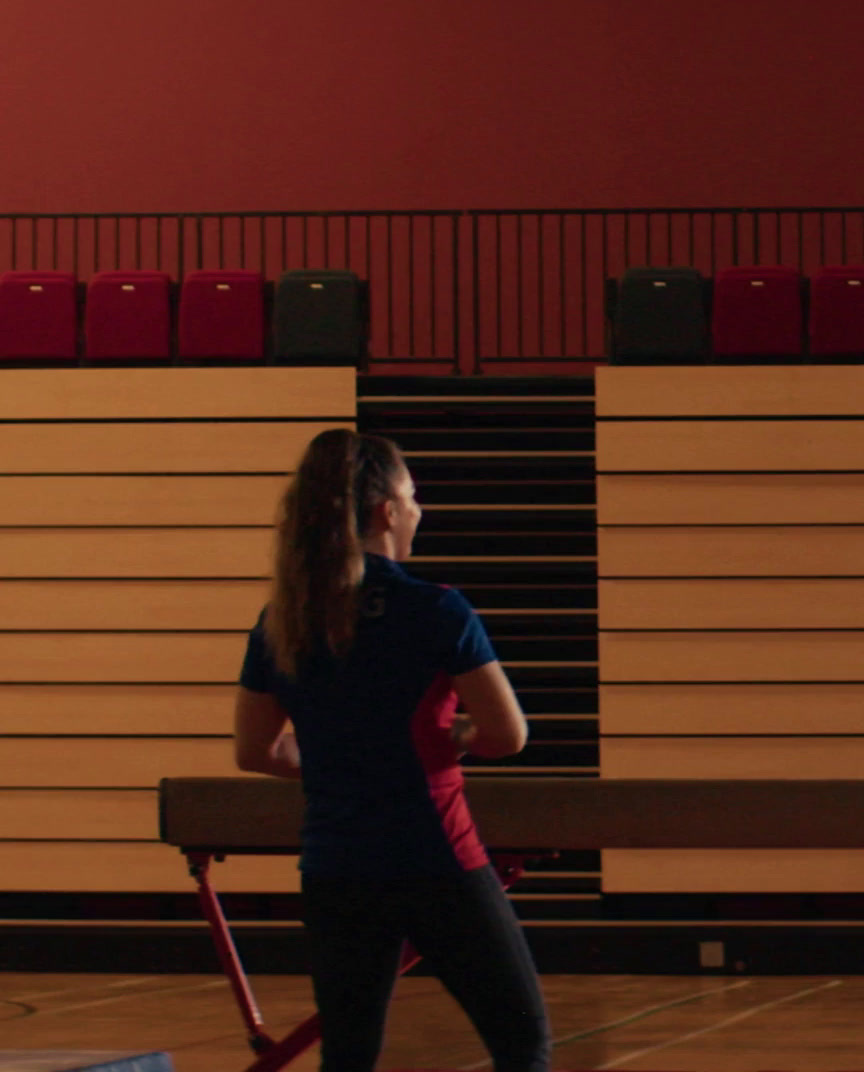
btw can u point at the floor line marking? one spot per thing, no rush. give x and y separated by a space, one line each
156 992
640 1015
78 989
716 1027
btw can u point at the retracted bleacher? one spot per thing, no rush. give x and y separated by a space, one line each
136 512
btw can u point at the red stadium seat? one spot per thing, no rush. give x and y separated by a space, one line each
222 315
837 311
129 315
38 316
757 312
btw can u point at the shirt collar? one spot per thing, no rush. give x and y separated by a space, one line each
378 565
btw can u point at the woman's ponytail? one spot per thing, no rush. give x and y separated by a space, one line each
319 542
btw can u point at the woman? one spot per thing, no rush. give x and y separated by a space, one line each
366 666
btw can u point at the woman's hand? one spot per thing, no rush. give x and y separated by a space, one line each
462 733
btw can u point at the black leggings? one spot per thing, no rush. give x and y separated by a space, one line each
465 929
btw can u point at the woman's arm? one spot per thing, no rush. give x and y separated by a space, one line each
261 743
495 726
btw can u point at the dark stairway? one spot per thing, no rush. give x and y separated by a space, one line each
504 469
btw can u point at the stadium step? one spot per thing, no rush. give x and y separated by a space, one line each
504 468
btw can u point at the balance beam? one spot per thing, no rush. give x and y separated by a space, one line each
263 815
517 818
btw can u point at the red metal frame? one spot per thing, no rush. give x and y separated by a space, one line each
275 1055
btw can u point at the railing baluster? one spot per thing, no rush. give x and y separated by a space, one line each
541 330
455 224
498 308
668 238
691 238
583 271
475 295
433 269
801 241
519 272
562 274
389 285
411 284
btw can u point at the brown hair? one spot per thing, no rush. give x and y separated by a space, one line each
324 515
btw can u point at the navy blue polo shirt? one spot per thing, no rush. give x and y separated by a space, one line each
384 791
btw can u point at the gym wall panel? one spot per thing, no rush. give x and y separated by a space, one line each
731 577
136 513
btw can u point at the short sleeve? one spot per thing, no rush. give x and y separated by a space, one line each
258 671
466 645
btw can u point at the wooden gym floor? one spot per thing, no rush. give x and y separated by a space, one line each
666 1023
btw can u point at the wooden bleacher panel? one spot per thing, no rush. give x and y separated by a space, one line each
733 870
731 603
133 867
117 710
735 655
77 814
730 551
774 709
246 446
160 394
737 446
136 552
730 571
731 498
137 511
813 391
770 756
131 657
104 762
139 500
123 604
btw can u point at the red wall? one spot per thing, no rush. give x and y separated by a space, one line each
209 104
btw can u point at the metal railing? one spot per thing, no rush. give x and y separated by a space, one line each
450 290
540 276
411 259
